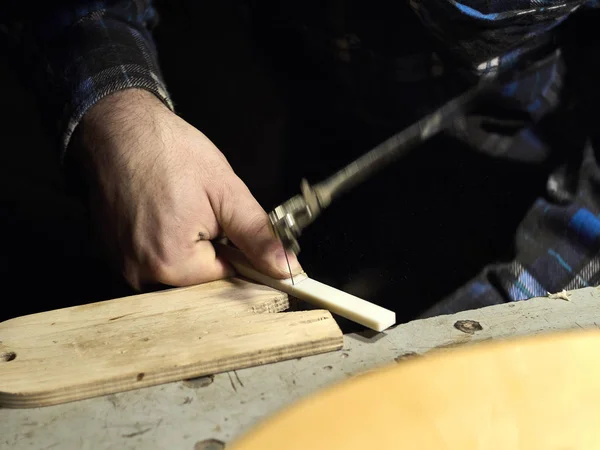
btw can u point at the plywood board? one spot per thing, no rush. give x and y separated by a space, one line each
132 342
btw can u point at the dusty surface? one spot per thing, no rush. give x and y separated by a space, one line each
215 410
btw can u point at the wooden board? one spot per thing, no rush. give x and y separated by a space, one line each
132 342
535 393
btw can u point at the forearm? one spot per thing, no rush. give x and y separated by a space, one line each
84 52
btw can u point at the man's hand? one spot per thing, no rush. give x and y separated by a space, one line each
161 191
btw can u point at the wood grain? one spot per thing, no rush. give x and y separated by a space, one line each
533 393
122 344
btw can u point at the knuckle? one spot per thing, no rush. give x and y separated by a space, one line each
224 195
160 271
163 267
257 224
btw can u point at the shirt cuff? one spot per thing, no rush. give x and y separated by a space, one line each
106 82
105 55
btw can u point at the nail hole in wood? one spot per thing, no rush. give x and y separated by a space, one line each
199 382
140 376
7 356
210 444
468 326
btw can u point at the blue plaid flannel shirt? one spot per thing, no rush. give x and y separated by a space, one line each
81 51
78 51
557 245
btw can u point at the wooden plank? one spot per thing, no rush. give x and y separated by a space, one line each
316 293
203 298
132 342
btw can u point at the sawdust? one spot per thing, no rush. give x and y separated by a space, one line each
563 295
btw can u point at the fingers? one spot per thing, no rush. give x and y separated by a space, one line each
246 224
201 266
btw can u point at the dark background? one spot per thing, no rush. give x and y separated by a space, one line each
405 239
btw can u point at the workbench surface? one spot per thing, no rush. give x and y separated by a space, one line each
186 415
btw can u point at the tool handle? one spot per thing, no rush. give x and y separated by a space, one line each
394 147
290 218
401 143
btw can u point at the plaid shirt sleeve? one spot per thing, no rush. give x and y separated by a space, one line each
80 51
557 244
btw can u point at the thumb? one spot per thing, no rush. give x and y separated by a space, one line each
247 225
